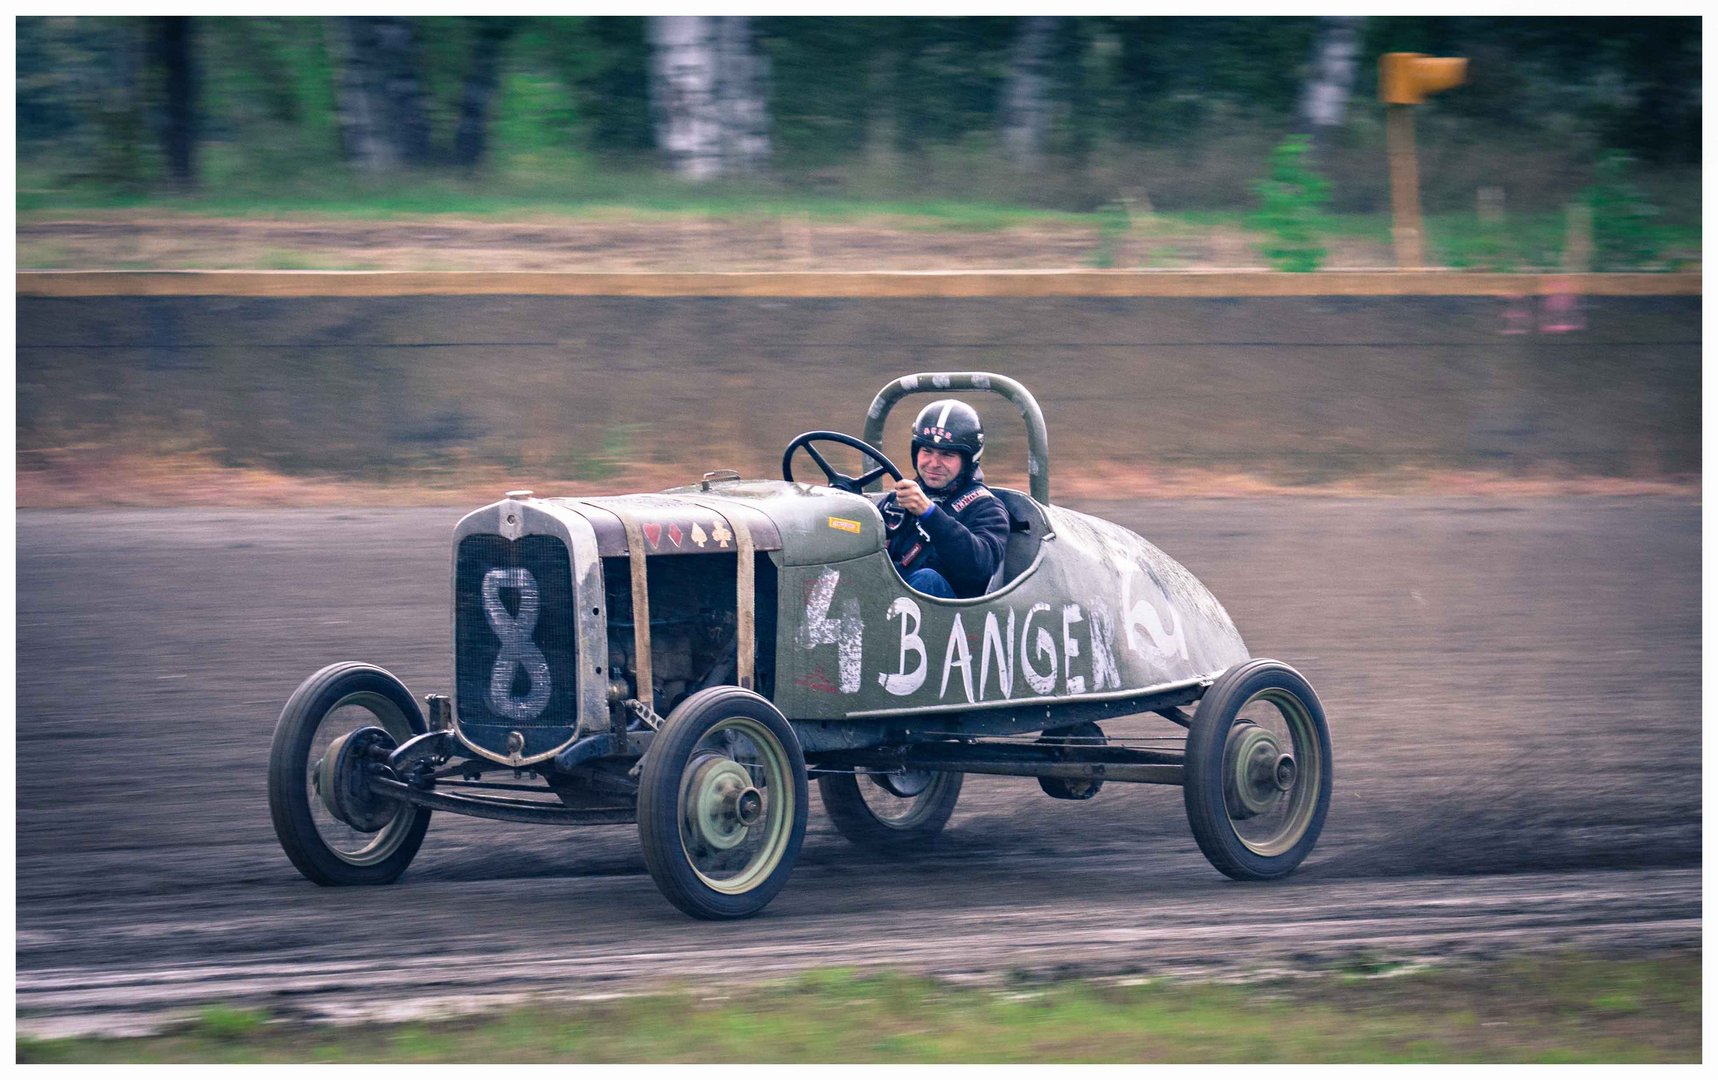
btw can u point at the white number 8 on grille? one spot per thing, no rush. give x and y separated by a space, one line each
518 650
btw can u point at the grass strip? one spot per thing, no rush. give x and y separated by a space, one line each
1556 1009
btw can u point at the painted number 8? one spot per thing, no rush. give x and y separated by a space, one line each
518 650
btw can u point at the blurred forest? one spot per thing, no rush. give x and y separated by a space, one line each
1064 113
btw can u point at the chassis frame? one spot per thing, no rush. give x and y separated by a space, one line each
420 771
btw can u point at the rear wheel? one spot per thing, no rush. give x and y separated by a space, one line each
1257 775
345 836
1078 737
893 812
722 804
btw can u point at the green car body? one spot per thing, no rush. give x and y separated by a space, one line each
690 661
1087 611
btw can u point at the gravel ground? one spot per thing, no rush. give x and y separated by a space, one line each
1513 688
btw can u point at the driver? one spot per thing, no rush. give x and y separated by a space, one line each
952 529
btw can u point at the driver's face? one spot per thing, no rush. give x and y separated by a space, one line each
938 467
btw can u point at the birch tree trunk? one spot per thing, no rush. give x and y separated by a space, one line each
1026 99
382 123
708 93
742 78
1330 82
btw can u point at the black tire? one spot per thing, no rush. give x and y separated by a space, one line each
1247 823
723 756
325 849
869 815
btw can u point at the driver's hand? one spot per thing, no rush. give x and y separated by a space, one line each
911 497
894 518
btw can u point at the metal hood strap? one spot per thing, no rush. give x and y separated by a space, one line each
641 665
745 597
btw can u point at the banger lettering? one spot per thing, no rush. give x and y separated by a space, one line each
1006 644
904 682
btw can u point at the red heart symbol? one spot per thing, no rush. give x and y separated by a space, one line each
653 533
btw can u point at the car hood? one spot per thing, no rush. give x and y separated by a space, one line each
808 523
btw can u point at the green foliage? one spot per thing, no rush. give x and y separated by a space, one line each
1625 231
1474 246
533 114
1170 77
1113 228
1291 203
910 100
223 1023
1576 1009
619 446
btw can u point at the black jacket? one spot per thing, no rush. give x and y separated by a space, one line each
962 538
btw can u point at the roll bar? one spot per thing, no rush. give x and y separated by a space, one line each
1037 436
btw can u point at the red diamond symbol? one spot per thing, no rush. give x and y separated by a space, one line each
675 534
653 532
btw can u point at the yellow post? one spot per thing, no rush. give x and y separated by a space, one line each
1404 188
1404 80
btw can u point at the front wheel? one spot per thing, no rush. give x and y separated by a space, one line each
722 804
1256 778
370 840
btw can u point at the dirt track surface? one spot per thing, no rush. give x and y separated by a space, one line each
1513 688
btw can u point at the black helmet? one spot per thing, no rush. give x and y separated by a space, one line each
950 425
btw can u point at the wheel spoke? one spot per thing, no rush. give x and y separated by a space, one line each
834 477
829 472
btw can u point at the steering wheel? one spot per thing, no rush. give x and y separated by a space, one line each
854 484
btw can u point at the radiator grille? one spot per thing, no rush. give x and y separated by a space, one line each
515 648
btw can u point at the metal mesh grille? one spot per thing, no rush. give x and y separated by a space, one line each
515 649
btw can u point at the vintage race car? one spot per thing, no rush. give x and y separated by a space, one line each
688 660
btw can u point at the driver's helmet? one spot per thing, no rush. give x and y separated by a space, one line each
950 424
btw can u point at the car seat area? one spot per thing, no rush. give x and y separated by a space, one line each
1027 528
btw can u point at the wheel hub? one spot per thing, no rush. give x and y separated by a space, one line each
343 779
1257 772
908 784
722 802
